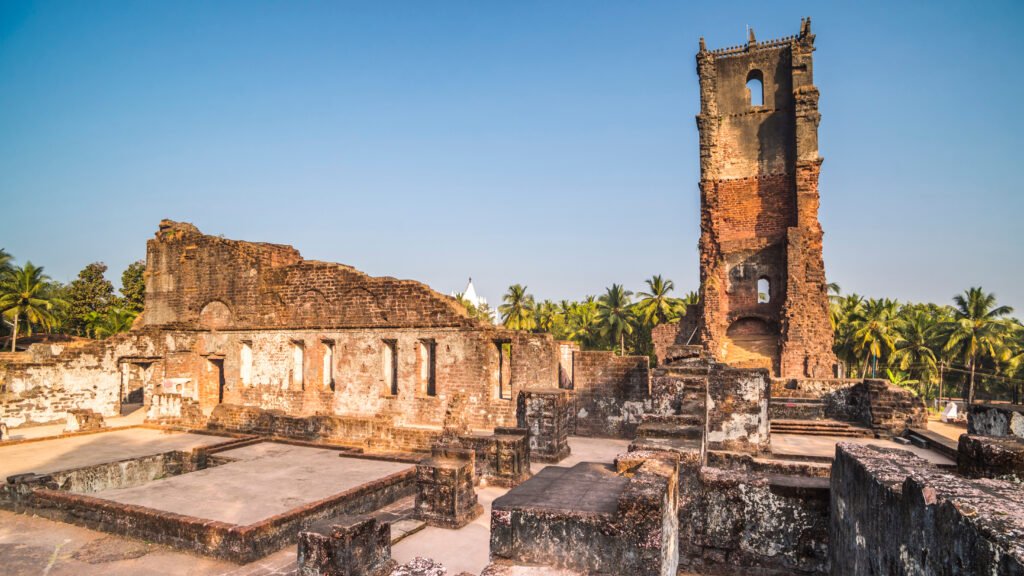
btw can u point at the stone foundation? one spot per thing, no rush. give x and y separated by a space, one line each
620 523
359 549
753 522
991 457
894 513
83 421
737 410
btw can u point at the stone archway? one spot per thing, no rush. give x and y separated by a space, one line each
752 343
214 315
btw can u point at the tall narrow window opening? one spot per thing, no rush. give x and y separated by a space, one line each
428 367
328 368
389 365
504 369
245 364
755 88
298 364
764 291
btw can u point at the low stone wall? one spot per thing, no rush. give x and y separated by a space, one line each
609 393
738 521
175 409
894 513
376 433
872 402
996 420
991 457
837 397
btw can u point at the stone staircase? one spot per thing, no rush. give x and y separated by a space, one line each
796 408
821 428
681 386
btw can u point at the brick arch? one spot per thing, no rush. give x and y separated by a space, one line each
752 342
361 307
312 308
215 314
271 309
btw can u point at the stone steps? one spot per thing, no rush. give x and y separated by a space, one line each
669 430
934 441
820 428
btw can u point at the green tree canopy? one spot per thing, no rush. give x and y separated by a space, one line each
615 315
26 295
517 309
133 287
656 306
979 329
90 292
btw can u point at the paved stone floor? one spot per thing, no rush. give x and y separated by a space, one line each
25 432
784 445
267 479
951 431
88 449
32 546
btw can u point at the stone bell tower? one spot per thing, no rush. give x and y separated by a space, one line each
763 289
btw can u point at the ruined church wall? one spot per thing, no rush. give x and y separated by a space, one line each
196 279
61 378
465 362
610 393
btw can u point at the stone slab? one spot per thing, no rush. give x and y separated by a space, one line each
47 456
268 479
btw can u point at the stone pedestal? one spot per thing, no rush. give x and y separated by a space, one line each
991 457
546 415
83 421
444 488
360 549
502 459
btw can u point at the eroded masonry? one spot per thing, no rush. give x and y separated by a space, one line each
302 417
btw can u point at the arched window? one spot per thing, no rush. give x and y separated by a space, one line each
764 291
755 87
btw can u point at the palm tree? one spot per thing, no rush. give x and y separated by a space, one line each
615 316
692 298
875 331
582 321
6 263
842 313
517 310
656 306
979 329
914 353
547 316
116 320
25 293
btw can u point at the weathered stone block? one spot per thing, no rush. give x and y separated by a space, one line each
894 513
359 549
83 421
546 415
991 457
444 488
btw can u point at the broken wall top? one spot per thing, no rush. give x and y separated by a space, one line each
194 280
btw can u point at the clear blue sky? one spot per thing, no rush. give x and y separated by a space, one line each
547 143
